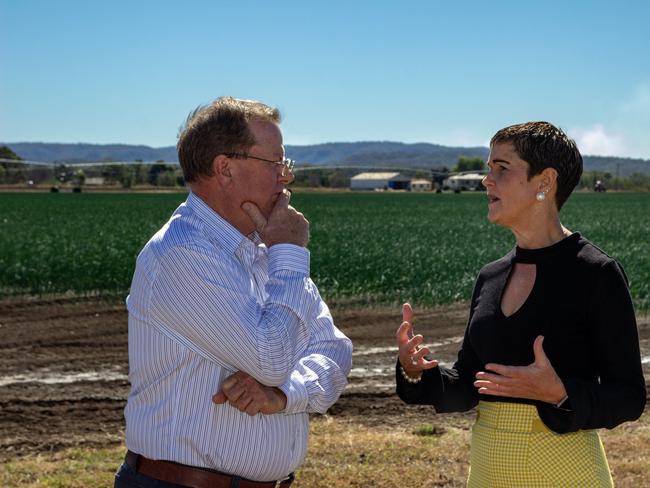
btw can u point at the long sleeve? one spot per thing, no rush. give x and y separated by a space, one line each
618 394
320 375
200 300
447 389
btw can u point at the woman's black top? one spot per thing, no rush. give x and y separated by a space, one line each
580 303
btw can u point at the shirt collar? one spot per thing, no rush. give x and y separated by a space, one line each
215 225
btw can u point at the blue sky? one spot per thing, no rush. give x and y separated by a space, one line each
412 71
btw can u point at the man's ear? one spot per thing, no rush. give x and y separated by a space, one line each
221 168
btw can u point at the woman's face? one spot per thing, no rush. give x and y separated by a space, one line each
511 196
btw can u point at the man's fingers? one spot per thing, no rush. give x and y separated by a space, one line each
255 215
253 408
283 200
242 403
229 382
220 397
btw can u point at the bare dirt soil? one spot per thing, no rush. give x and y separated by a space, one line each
63 370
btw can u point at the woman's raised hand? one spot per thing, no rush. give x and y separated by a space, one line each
411 355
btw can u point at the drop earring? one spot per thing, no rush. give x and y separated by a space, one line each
541 196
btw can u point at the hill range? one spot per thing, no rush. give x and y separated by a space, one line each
379 154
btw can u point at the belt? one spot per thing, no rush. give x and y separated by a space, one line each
193 477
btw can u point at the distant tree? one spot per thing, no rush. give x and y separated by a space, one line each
154 171
339 180
127 177
166 178
80 177
140 173
7 153
639 181
469 164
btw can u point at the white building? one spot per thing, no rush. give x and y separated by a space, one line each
462 182
379 181
94 180
420 185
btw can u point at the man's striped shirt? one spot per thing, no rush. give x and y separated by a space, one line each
206 302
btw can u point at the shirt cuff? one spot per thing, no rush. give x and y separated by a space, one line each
288 257
296 392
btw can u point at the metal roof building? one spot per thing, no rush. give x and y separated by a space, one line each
379 181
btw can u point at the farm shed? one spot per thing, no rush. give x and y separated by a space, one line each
379 181
461 182
94 180
420 185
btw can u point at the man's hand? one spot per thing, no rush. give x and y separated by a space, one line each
284 225
411 356
537 381
247 395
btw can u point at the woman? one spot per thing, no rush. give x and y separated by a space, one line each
551 350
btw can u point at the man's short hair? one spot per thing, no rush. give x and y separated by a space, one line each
221 127
542 145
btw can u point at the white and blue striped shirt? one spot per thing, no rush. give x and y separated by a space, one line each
206 302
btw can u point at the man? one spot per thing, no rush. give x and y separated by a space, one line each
230 343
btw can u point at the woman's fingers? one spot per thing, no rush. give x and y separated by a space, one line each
414 342
404 332
426 364
495 378
407 313
419 354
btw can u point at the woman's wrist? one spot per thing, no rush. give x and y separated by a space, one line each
560 394
562 402
410 376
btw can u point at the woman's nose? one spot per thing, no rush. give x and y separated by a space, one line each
487 180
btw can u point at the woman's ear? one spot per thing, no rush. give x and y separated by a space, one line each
548 180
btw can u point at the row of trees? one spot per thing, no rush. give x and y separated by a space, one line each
161 174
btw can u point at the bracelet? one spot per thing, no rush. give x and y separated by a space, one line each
561 402
408 378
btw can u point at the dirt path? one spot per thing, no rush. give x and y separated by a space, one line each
63 369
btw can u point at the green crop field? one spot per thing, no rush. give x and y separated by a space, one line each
366 248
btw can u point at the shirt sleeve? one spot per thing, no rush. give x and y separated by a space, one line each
200 298
320 375
618 394
447 389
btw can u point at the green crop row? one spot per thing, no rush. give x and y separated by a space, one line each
366 247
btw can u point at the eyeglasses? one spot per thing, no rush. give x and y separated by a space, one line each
286 163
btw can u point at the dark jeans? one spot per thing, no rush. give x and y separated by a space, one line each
126 477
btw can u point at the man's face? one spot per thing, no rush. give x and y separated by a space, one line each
258 181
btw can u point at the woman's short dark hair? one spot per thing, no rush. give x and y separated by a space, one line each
221 127
542 145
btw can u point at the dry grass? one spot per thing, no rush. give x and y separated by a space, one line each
347 454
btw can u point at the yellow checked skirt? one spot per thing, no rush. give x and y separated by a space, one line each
511 447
